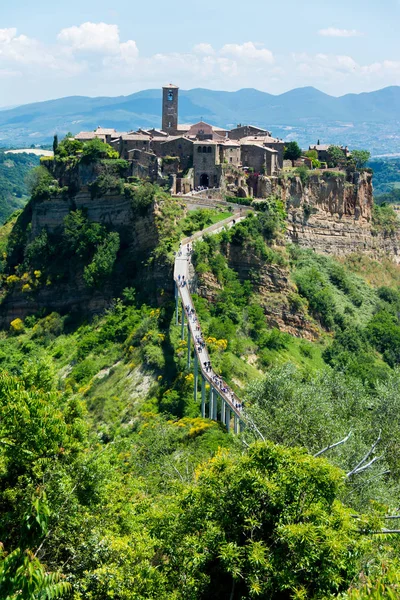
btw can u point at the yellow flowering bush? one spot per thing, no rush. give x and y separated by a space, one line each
17 326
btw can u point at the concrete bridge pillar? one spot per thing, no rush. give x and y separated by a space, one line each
236 424
176 305
215 406
211 403
196 375
189 350
223 404
203 397
228 418
183 324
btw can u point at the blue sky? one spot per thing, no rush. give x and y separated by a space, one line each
94 47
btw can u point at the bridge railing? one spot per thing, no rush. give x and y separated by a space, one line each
230 398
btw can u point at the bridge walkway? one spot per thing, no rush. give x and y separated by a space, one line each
222 399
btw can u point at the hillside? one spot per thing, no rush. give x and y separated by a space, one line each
112 485
13 186
360 120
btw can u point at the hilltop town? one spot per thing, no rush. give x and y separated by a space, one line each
203 156
193 155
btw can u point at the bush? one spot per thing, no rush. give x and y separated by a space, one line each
103 261
95 150
17 326
313 285
303 173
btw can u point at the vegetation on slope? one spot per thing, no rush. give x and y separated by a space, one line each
14 192
112 486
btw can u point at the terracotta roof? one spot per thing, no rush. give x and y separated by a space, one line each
177 137
139 137
105 131
263 139
320 147
270 150
89 135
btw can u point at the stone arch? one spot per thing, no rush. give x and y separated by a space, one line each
204 180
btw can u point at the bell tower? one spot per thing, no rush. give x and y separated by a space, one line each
170 108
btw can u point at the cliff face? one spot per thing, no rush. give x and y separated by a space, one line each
113 210
271 284
139 236
332 215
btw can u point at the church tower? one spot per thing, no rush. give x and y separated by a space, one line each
170 109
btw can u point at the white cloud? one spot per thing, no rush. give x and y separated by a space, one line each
248 51
24 51
92 37
91 58
344 33
204 49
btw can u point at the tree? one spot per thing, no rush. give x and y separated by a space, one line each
55 143
313 154
40 183
360 158
267 524
292 151
336 157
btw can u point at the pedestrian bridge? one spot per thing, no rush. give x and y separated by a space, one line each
222 403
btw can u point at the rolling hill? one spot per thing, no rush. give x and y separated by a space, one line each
305 113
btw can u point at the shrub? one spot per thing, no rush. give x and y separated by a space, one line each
313 285
303 173
95 150
103 261
49 327
17 326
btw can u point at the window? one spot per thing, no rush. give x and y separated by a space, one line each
204 149
170 96
230 159
199 149
209 150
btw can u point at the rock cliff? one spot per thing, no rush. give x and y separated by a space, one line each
332 214
273 287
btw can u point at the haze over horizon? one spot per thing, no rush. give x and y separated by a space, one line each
68 49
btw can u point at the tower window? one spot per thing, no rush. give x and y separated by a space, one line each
209 150
199 149
170 96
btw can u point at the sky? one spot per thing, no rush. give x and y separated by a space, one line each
100 48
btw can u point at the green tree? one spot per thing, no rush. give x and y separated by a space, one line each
55 143
40 182
336 157
264 525
360 158
292 151
103 260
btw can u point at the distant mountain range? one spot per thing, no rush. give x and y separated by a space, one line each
370 119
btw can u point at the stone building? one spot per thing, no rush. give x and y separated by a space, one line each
242 131
261 159
268 142
207 164
131 141
230 153
175 148
181 147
